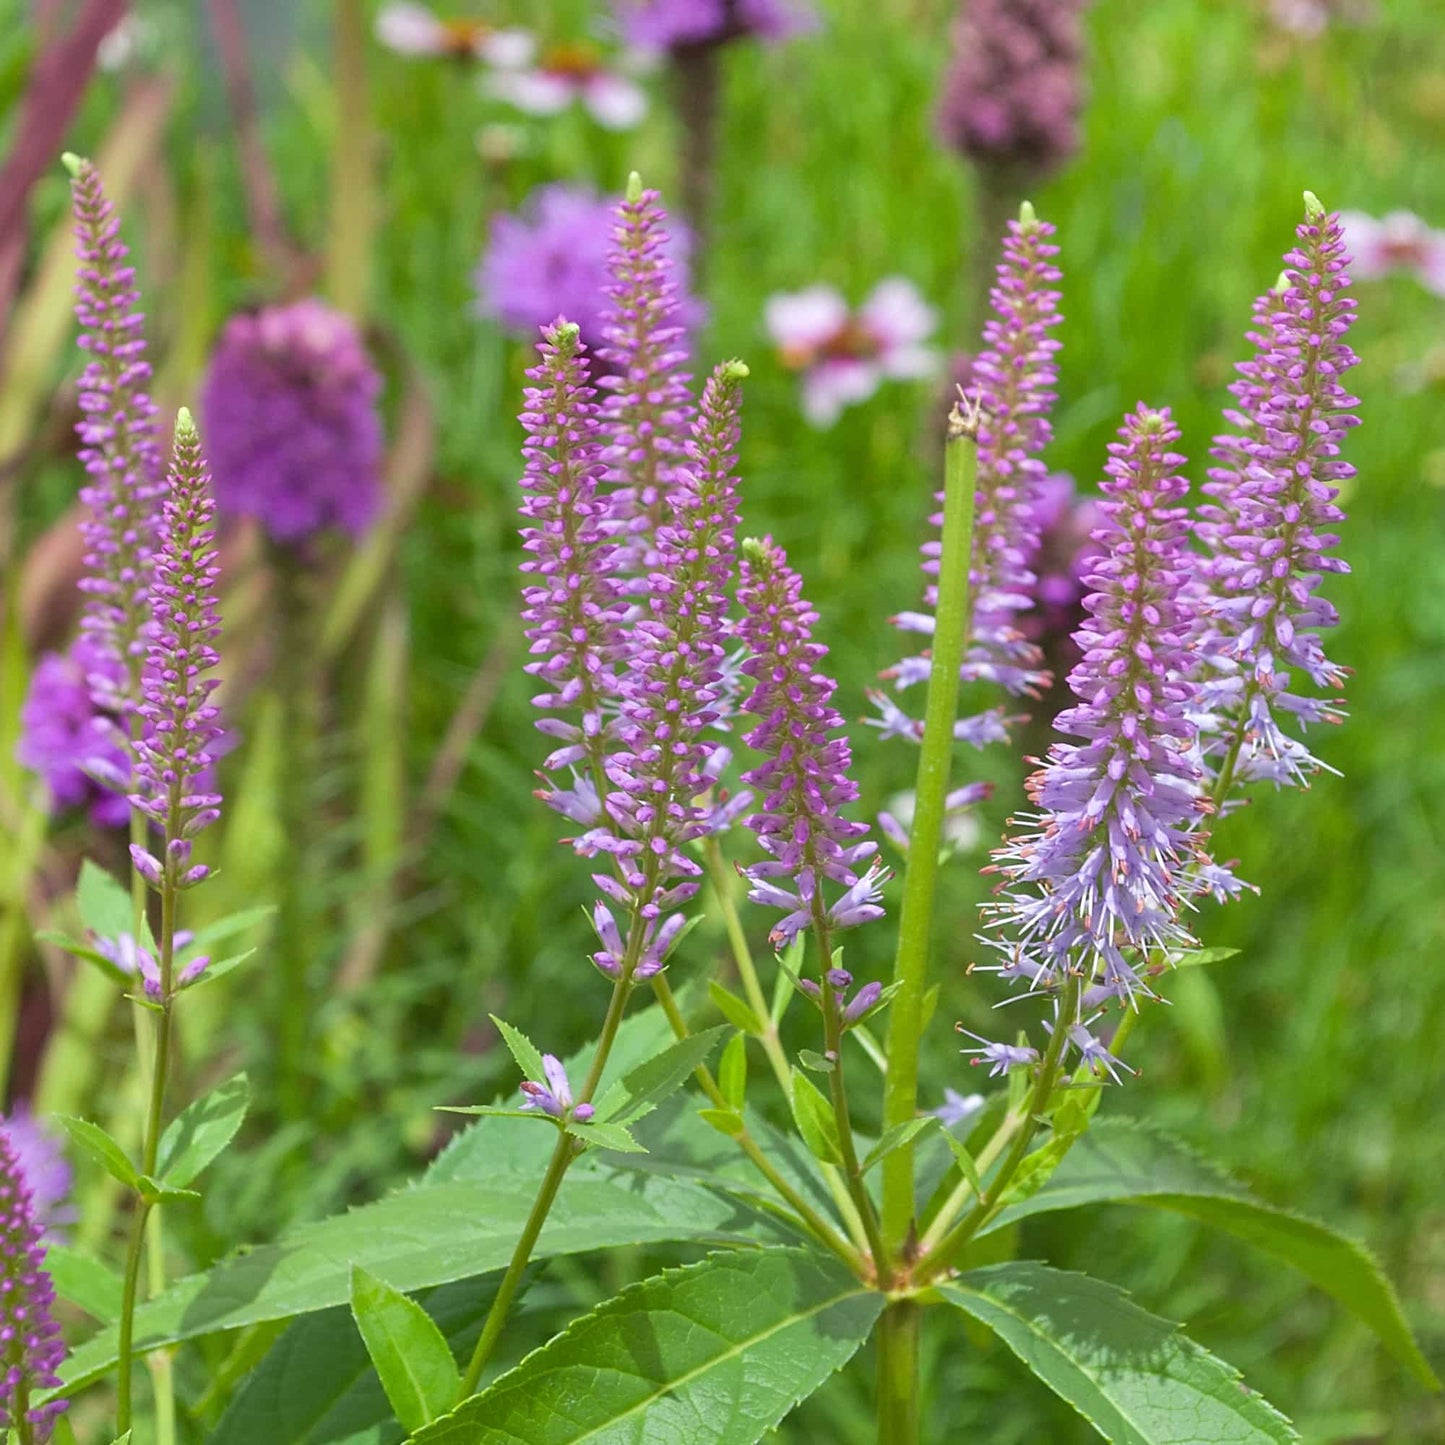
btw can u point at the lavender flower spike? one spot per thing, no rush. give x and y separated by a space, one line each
1096 882
572 605
120 441
181 725
1268 529
804 779
650 409
30 1345
1015 376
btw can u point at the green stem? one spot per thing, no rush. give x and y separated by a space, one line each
348 257
910 972
898 1331
953 1205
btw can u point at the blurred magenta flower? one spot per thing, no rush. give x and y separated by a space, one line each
1064 522
844 355
414 30
672 24
46 1169
1401 241
292 429
564 75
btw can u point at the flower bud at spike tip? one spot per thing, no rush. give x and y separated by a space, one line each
71 162
185 423
634 188
1027 215
1282 284
1313 207
734 370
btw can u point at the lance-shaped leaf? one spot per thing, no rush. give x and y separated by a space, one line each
200 1132
713 1354
1133 1376
645 1086
410 1354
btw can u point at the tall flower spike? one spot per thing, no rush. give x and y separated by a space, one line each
804 780
671 692
120 442
649 409
1095 882
30 1345
572 605
1014 377
1268 528
181 727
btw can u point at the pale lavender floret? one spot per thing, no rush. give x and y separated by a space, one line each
804 780
31 1348
1268 529
292 427
839 981
1097 881
139 963
1000 1058
958 1109
677 24
120 443
554 1098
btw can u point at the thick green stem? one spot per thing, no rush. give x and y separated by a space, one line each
910 972
348 250
898 1331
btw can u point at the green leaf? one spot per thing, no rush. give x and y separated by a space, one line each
1120 1161
643 1088
222 967
422 1237
201 1131
603 1135
242 921
815 1062
732 1076
713 1354
733 1009
412 1359
93 1140
122 1439
816 1121
896 1138
86 953
105 905
154 1192
522 1049
1193 957
1133 1376
725 1121
1070 1119
85 1282
496 1111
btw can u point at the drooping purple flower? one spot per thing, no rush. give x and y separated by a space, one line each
1095 881
292 427
804 778
1014 377
1269 526
554 1098
177 746
1012 93
674 24
44 1167
120 440
31 1348
77 749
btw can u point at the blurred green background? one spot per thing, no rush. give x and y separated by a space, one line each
1310 1062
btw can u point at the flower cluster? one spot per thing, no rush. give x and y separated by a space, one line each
292 428
677 24
554 1098
1012 93
804 781
1399 241
30 1345
1268 528
844 355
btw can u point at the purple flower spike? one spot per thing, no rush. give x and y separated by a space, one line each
120 440
1269 527
554 1098
181 726
1096 881
804 779
679 24
31 1348
1014 376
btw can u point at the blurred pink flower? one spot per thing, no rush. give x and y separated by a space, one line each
1401 241
566 74
673 24
843 354
413 30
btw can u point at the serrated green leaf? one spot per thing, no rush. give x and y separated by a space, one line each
732 1074
411 1358
714 1354
604 1135
154 1192
85 1282
496 1111
726 1121
1120 1161
94 1141
526 1054
644 1087
734 1009
105 905
418 1238
201 1131
815 1119
1135 1377
896 1138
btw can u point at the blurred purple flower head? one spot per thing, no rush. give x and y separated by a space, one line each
550 259
1401 241
565 75
844 355
415 31
68 741
43 1163
958 1109
1064 521
292 429
1012 93
673 24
